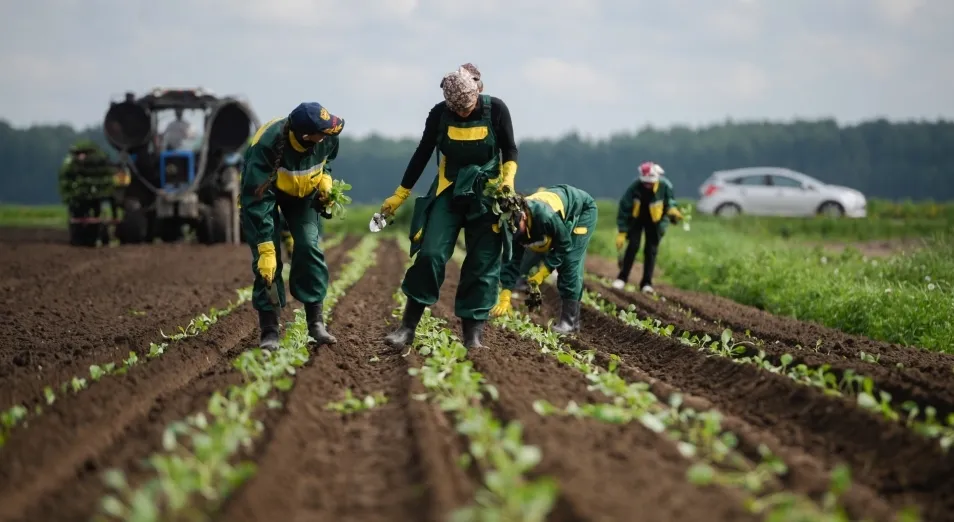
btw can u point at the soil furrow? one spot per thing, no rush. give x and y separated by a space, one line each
56 334
604 471
920 366
371 465
50 468
903 385
895 463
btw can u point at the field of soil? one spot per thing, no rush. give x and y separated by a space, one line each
65 308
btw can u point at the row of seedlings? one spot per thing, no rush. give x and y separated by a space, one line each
922 419
196 469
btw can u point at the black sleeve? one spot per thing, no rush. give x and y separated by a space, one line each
503 128
425 148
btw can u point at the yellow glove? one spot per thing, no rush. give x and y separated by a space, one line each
620 240
509 173
674 215
267 264
538 278
324 186
503 306
391 204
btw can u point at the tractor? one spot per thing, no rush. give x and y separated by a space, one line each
175 189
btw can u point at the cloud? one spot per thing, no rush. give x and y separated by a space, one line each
555 77
378 62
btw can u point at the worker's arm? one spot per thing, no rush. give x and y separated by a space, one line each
559 242
258 211
625 211
425 148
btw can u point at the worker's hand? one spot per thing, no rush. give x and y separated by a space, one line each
674 215
539 277
390 205
509 173
267 264
289 241
503 306
620 240
324 186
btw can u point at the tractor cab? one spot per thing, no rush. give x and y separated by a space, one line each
181 145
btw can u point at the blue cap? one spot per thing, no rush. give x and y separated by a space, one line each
311 118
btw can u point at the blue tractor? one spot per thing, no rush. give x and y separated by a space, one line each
178 188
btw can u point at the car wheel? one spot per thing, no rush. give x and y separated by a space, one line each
831 209
728 210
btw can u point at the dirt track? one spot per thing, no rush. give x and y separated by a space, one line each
399 461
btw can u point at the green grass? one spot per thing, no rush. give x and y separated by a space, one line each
40 216
905 299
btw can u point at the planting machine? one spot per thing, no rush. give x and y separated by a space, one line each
183 188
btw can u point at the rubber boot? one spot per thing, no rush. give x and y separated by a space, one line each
404 334
473 329
316 325
569 318
268 326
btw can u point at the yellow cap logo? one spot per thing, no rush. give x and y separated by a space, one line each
324 114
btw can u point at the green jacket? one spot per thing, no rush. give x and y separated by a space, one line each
86 174
554 215
298 174
663 203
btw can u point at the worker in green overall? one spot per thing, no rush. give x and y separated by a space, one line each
285 176
555 224
641 210
473 134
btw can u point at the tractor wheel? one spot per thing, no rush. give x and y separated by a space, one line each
216 222
134 228
83 235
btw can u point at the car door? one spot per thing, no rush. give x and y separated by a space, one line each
791 197
755 195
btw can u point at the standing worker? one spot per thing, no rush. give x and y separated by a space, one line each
284 176
556 223
471 132
641 209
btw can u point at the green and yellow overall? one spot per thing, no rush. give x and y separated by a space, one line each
290 198
468 157
641 210
560 222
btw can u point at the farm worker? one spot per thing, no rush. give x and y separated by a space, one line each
641 210
87 178
284 176
471 132
555 224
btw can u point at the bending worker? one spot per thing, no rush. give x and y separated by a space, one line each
641 210
471 131
555 224
284 175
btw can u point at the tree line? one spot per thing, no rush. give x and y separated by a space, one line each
883 159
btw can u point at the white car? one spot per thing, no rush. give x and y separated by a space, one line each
775 191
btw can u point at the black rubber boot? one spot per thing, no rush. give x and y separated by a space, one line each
404 335
473 329
569 318
316 325
268 326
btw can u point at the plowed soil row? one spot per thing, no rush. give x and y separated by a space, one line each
604 471
919 365
815 431
394 462
50 469
927 381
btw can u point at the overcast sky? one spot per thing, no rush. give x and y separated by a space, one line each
597 66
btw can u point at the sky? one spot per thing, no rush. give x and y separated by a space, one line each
595 67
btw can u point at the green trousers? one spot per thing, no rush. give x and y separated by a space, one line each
308 279
570 273
480 272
